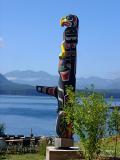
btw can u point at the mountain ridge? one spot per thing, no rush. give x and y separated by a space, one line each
43 78
9 87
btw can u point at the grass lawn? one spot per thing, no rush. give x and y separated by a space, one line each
108 147
24 157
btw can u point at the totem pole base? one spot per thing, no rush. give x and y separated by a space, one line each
53 153
64 142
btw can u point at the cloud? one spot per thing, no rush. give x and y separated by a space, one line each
1 42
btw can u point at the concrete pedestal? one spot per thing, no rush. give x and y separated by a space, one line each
63 142
61 154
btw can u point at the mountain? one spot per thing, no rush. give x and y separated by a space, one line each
32 78
42 78
99 83
8 87
107 87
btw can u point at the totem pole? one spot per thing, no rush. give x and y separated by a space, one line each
67 73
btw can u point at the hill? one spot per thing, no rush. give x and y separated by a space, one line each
32 78
107 87
42 78
8 87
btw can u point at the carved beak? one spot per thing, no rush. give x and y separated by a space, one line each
65 22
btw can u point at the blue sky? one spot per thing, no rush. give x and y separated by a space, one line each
30 35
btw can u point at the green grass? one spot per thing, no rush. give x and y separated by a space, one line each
24 157
108 147
29 156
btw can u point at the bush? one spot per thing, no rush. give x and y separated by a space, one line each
2 129
88 112
43 145
3 144
114 126
44 142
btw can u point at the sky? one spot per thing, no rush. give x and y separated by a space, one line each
31 35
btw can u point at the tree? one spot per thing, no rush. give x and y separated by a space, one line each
114 125
2 129
88 112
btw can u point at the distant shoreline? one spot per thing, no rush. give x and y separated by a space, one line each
115 93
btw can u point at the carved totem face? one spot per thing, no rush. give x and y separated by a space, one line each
69 21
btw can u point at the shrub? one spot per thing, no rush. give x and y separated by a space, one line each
2 129
43 145
114 125
44 142
88 112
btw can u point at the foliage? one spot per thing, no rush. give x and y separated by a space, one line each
114 122
25 157
2 129
108 147
114 126
88 112
2 152
43 145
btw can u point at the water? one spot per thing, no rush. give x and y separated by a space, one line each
21 113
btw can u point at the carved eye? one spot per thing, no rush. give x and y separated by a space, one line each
70 17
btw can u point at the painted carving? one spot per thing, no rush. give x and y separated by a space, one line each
67 73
